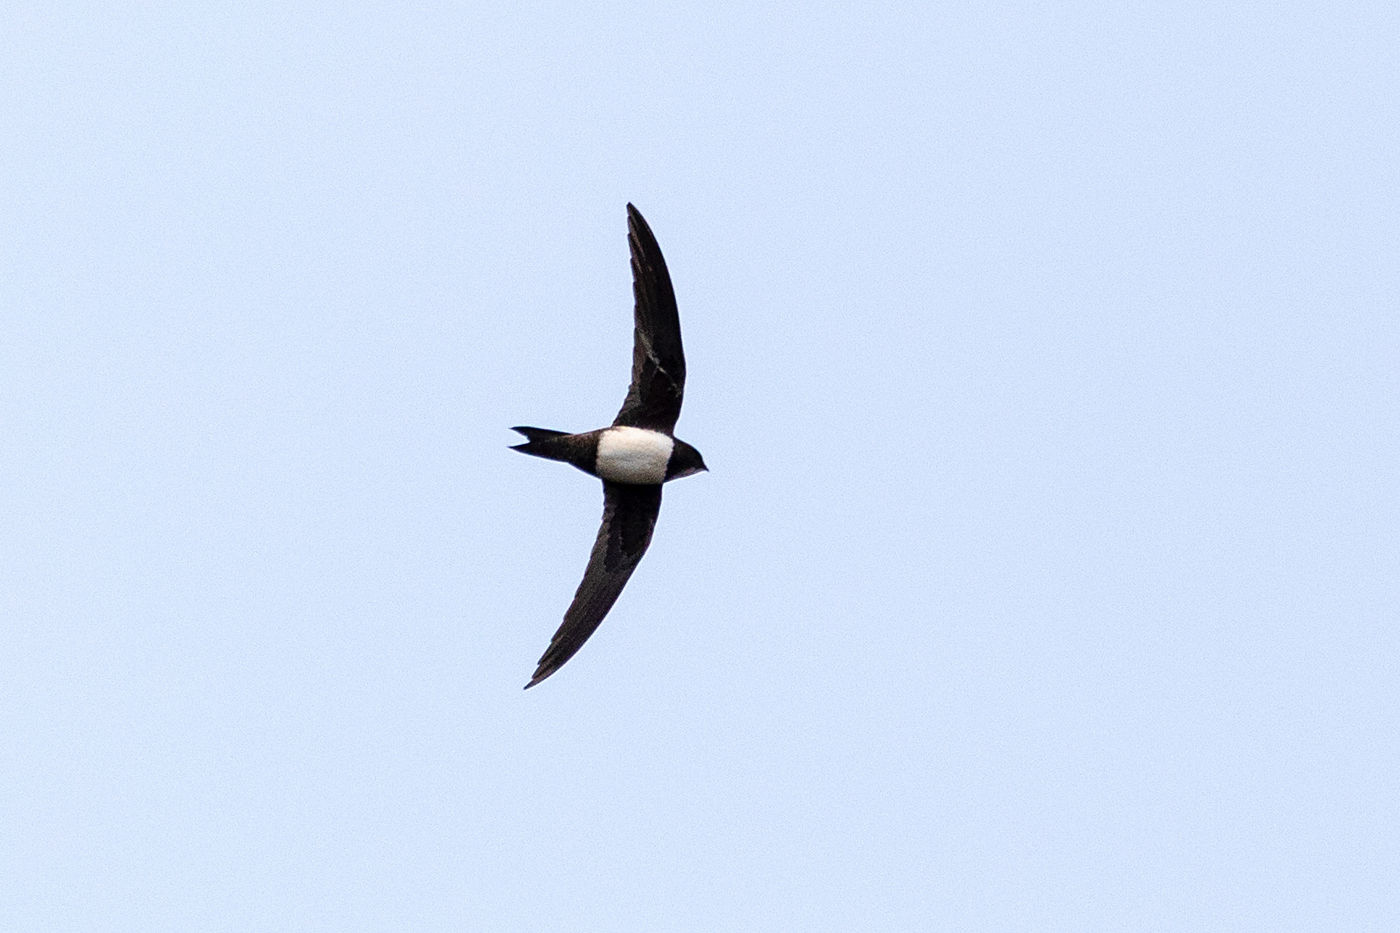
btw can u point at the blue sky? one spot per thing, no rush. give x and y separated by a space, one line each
1045 359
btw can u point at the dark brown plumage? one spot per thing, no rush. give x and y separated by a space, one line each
641 430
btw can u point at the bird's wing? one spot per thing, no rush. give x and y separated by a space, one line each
658 362
629 515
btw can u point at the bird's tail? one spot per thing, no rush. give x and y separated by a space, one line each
538 443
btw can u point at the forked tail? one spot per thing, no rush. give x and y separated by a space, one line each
547 444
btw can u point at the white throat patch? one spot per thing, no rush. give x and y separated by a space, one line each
633 455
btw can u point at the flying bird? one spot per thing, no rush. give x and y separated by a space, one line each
633 457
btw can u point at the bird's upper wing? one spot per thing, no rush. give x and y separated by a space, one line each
658 362
629 515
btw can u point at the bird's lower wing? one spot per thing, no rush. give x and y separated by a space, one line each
629 515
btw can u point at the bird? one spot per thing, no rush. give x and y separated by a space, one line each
634 456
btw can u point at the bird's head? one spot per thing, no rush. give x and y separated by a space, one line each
685 461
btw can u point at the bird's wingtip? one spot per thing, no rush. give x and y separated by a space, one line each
542 670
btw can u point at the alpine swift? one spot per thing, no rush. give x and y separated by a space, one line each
633 457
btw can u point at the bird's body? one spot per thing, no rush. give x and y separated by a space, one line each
633 457
638 456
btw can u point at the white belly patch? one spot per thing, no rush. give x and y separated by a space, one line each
633 455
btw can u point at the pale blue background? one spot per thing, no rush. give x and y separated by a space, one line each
1045 356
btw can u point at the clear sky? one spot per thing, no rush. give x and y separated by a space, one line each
1044 355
